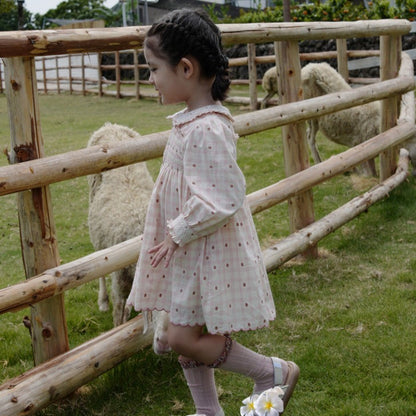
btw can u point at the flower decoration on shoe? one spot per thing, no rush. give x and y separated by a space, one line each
249 408
268 403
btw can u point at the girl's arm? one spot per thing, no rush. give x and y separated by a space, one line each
215 182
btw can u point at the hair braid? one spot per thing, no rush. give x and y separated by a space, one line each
189 32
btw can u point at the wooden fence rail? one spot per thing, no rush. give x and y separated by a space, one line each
51 169
31 178
82 72
71 275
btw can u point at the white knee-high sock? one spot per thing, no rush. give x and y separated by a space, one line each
201 383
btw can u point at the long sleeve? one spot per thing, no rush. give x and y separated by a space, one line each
216 185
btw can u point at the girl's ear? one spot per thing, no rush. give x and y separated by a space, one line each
187 67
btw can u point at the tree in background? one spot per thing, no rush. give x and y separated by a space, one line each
9 16
69 10
76 10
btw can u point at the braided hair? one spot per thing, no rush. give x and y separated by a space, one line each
190 32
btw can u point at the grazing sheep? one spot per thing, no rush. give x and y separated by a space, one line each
269 84
344 127
348 127
118 201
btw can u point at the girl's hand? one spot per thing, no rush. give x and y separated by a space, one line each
164 250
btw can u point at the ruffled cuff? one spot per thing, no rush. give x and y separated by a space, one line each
180 231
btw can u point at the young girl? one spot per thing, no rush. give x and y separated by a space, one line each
200 258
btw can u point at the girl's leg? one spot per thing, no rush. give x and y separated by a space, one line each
220 351
200 378
201 383
193 343
258 367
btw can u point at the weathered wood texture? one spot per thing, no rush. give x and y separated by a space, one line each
58 279
310 235
95 159
252 73
37 228
295 147
390 53
55 379
342 58
58 42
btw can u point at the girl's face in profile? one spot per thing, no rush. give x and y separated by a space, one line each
165 78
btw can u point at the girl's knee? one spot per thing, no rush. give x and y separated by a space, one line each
176 341
182 339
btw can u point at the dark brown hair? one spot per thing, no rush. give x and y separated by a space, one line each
187 32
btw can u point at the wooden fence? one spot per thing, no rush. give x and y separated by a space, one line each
83 73
59 371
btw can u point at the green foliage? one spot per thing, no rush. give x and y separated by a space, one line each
333 10
406 9
8 15
78 9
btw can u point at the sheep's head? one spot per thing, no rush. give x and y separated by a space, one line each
410 146
160 321
412 154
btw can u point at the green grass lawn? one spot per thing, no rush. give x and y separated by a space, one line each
347 318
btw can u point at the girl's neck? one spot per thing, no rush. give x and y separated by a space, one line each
199 91
195 104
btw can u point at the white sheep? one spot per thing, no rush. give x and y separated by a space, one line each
269 84
348 127
118 201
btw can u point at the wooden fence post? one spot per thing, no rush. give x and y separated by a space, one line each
118 74
58 84
252 75
342 58
100 75
37 228
1 80
70 73
136 73
45 80
84 92
295 149
390 56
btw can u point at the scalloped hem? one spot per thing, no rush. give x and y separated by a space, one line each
203 324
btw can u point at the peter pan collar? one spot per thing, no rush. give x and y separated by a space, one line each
184 116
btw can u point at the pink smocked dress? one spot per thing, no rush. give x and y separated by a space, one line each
216 276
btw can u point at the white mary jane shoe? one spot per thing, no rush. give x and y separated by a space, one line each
287 385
